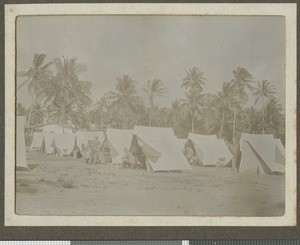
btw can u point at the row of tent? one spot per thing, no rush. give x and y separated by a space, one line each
157 148
66 143
160 150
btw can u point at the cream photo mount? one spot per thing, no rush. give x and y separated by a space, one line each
286 10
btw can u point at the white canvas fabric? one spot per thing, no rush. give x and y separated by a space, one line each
48 140
37 141
249 162
161 148
65 143
118 139
210 149
21 161
279 152
181 143
83 137
258 154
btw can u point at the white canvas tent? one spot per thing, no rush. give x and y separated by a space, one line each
37 141
210 150
182 143
64 143
83 137
258 154
279 152
118 139
161 148
21 161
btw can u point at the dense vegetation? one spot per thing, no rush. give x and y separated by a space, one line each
59 95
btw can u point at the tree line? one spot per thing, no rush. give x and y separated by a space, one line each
59 95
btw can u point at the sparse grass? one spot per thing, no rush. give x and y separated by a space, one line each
66 182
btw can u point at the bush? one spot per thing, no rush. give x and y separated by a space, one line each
66 182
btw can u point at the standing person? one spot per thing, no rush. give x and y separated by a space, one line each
189 153
105 156
94 148
85 153
128 159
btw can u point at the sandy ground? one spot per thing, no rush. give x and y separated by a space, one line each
68 186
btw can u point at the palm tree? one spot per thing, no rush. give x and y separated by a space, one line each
80 118
155 88
164 117
210 114
194 79
275 118
21 110
264 90
178 119
242 81
99 107
37 75
38 113
66 88
51 113
175 113
124 101
225 99
191 106
251 119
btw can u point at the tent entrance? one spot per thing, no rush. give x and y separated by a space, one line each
105 152
263 165
193 158
138 153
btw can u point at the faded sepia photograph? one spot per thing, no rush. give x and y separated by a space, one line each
148 115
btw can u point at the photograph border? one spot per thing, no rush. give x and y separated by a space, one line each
287 10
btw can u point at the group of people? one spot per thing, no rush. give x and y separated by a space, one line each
131 159
95 153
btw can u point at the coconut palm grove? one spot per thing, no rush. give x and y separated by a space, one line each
59 95
208 154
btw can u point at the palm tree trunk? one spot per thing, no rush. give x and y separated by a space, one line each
233 132
30 110
263 113
151 111
63 103
222 123
63 115
124 120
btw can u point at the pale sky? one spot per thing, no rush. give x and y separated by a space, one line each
164 47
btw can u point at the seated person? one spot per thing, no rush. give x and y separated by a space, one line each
128 159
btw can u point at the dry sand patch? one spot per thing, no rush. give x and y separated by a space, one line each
68 186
